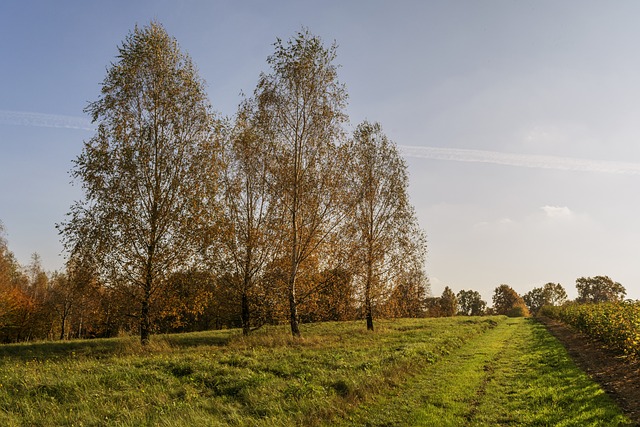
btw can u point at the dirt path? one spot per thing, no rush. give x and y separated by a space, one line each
618 376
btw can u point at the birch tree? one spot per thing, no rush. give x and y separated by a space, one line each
247 234
145 171
387 240
300 106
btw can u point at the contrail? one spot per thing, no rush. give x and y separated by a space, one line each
521 160
22 118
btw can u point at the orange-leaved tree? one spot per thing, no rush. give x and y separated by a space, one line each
507 301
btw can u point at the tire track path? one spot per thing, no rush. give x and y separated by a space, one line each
514 374
463 375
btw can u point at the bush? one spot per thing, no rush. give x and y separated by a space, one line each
518 311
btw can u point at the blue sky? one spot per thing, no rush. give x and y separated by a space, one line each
519 120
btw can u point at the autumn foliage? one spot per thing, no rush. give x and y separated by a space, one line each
617 324
507 301
192 221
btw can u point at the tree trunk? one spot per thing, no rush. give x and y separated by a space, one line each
368 312
145 324
145 317
80 325
293 308
369 319
62 325
293 304
246 284
367 294
246 328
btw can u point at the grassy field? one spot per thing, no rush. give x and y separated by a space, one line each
431 372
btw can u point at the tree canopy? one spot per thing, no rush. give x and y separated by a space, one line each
507 301
599 289
144 171
549 294
470 303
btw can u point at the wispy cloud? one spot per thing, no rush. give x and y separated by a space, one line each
520 160
21 118
557 211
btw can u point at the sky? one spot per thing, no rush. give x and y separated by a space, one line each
519 121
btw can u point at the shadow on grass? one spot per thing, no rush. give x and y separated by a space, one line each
98 348
101 348
200 339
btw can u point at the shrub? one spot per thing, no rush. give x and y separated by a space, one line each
616 324
518 311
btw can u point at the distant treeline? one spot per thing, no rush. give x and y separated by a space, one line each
506 301
36 305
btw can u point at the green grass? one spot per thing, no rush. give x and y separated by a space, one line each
515 374
432 372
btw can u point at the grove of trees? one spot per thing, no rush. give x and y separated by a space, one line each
550 294
470 303
276 204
